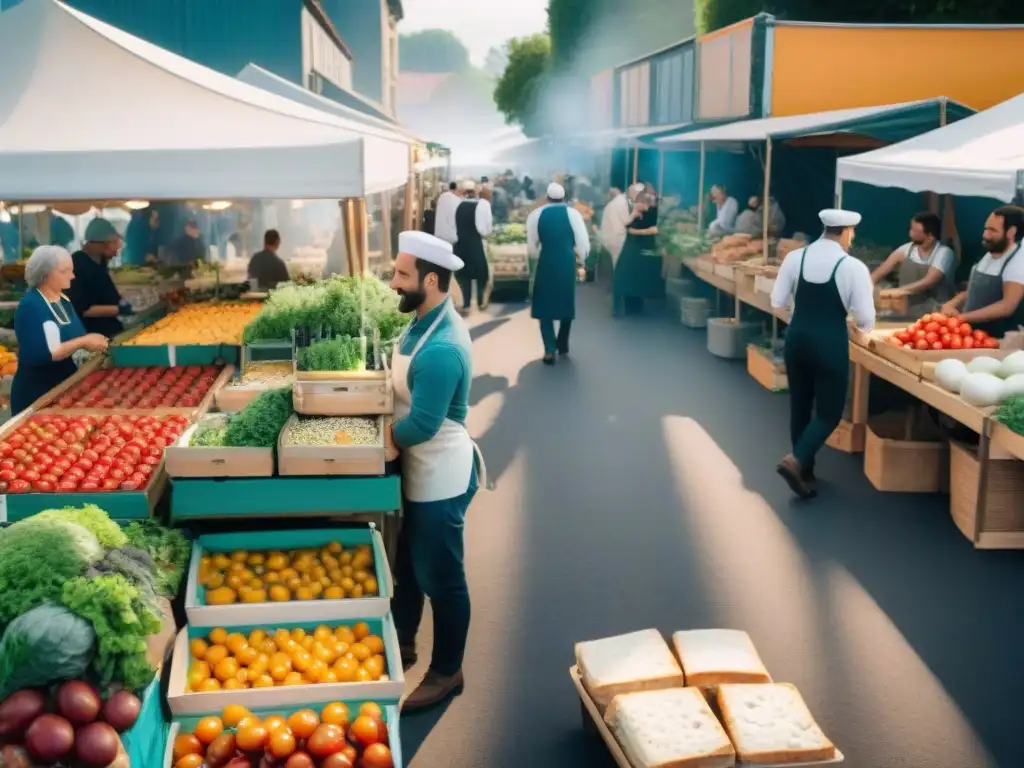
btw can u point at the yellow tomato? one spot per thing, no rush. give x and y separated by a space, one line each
216 653
198 648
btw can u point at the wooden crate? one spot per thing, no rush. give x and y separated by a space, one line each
764 370
848 437
916 360
181 460
330 459
1000 524
902 454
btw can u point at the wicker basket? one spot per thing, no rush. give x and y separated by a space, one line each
1002 523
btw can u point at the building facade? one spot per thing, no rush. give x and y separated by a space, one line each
371 29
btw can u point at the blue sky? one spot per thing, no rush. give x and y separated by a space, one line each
480 24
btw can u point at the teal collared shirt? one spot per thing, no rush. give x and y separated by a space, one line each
439 377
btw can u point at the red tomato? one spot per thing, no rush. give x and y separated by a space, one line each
931 326
919 335
19 486
979 335
968 342
42 486
956 342
30 475
931 337
110 484
129 485
48 478
990 343
921 344
152 461
144 469
74 473
937 345
895 342
964 329
88 485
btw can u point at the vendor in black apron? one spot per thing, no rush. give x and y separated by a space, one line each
828 285
992 301
927 268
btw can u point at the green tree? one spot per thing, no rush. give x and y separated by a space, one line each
519 90
715 14
432 50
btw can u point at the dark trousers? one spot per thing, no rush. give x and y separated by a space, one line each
466 284
553 343
817 396
429 563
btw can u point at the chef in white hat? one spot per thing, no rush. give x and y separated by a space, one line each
441 467
556 236
828 285
474 222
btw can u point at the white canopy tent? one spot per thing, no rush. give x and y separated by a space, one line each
88 111
979 156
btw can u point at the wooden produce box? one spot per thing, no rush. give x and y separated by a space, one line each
359 393
904 454
182 460
726 271
593 722
186 723
848 437
916 360
330 459
764 284
340 609
1000 524
182 701
705 264
765 370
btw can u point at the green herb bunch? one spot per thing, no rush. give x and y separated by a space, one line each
344 353
261 421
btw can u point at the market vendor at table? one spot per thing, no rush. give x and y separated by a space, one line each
432 371
93 293
828 286
927 268
992 301
48 330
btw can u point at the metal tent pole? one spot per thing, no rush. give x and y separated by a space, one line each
700 191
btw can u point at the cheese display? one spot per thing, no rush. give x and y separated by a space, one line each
670 728
770 724
711 657
638 661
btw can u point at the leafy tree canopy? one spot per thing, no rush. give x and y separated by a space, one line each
432 50
518 91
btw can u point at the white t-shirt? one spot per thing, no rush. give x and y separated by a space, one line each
853 279
942 257
1014 270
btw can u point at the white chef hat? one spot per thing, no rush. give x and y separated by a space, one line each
835 217
429 248
468 185
556 191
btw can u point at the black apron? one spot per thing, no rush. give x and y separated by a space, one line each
817 364
470 246
985 290
930 300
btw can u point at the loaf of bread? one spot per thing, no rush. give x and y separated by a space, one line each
670 728
639 661
711 657
770 724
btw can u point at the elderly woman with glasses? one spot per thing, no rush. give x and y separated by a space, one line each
48 330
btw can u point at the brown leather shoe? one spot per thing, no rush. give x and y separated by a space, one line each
434 690
791 471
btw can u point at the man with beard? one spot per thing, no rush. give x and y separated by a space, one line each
927 268
432 370
992 301
93 294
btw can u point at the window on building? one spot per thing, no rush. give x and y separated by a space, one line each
673 88
635 96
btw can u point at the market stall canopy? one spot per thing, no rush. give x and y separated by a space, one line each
355 120
888 122
88 111
978 156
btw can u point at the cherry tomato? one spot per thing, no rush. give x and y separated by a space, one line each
377 756
921 344
956 342
968 342
931 337
964 329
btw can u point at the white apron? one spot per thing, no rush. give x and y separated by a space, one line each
442 467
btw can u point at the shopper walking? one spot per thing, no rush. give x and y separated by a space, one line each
556 236
828 286
432 371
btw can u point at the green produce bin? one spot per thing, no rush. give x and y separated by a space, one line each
120 505
201 614
171 354
246 497
186 724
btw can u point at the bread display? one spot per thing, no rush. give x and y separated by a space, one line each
638 661
711 657
669 728
770 724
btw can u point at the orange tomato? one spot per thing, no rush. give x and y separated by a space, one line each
335 713
361 630
188 744
225 669
346 669
216 653
252 737
326 740
246 655
274 722
294 678
374 643
375 666
218 636
208 729
377 756
198 647
190 761
370 709
303 723
209 684
300 760
281 743
364 731
360 651
317 671
263 681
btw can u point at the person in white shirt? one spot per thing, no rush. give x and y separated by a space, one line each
615 218
473 223
993 299
828 285
726 211
444 214
927 268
